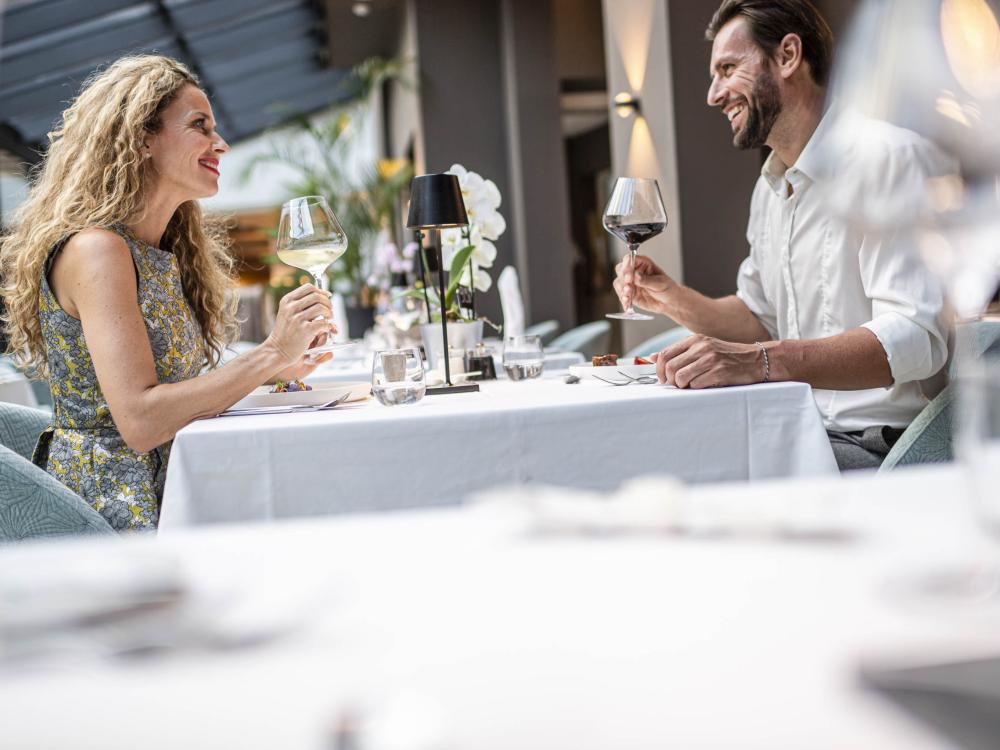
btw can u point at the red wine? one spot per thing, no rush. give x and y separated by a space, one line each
633 234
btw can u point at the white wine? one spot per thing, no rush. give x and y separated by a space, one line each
313 257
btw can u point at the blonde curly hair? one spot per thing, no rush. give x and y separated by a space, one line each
93 176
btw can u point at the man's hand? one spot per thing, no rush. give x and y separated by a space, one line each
647 287
703 362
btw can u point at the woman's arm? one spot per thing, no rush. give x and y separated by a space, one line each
94 280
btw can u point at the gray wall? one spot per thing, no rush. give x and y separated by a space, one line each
489 101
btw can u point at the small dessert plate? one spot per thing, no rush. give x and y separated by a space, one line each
321 393
612 372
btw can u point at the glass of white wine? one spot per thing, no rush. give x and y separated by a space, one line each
310 238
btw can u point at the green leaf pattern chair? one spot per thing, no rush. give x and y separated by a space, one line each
928 439
32 503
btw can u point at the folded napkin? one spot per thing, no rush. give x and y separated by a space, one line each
511 302
664 505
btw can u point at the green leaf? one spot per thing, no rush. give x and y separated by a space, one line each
457 264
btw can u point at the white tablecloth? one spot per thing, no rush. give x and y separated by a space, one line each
366 457
354 367
507 640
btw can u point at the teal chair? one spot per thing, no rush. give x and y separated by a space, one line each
20 427
589 339
659 342
928 439
546 331
32 503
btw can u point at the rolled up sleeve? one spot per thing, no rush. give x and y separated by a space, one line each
907 308
908 315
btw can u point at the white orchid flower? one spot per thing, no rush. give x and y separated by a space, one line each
492 193
484 254
483 281
492 225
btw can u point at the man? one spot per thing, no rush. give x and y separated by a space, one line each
854 315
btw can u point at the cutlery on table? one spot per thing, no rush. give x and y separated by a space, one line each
283 409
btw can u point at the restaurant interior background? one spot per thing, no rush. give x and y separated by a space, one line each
522 93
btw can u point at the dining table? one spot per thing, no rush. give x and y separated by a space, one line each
762 616
586 435
355 364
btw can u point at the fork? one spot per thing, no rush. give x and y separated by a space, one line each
641 380
644 380
285 410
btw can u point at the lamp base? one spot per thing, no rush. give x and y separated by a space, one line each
438 390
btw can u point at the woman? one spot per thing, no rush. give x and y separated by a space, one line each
116 287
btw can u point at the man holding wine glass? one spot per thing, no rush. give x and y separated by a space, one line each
855 316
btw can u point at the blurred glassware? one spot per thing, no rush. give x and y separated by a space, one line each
931 67
398 377
523 357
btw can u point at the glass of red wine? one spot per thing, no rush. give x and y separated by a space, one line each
634 214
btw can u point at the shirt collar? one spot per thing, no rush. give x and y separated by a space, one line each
809 164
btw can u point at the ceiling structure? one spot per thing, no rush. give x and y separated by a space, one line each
262 62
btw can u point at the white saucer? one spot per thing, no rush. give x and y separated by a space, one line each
320 394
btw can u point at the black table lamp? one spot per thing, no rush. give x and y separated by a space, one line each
436 203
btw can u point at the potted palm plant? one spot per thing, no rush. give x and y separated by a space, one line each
365 197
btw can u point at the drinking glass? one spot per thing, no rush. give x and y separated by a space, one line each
398 377
523 357
635 213
310 238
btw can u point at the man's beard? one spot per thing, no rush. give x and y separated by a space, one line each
763 108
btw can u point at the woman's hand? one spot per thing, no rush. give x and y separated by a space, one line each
304 316
647 287
306 364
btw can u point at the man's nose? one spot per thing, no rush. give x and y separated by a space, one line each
715 95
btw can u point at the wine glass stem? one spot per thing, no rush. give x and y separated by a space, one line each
632 250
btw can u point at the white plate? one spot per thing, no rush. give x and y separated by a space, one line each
320 394
612 372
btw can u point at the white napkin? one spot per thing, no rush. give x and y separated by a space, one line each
511 302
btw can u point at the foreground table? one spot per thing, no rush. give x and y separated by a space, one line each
501 638
365 457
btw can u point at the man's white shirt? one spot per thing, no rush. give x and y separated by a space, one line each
810 276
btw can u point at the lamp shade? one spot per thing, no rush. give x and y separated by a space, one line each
436 201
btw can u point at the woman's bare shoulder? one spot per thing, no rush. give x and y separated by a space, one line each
95 241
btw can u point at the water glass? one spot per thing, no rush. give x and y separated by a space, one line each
398 377
523 357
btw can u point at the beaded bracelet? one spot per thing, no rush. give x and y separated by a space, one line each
767 365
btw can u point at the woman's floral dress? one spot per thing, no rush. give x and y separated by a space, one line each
82 448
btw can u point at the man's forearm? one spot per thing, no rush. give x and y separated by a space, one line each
851 360
726 318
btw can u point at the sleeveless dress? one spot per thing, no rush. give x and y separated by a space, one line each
82 448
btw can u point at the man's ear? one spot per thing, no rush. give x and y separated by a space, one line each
788 55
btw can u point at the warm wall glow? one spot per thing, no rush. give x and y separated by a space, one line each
633 31
971 37
642 160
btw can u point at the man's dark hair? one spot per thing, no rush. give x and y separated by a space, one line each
770 20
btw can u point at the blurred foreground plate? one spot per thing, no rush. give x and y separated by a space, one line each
321 393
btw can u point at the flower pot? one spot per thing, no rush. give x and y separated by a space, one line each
359 320
461 336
